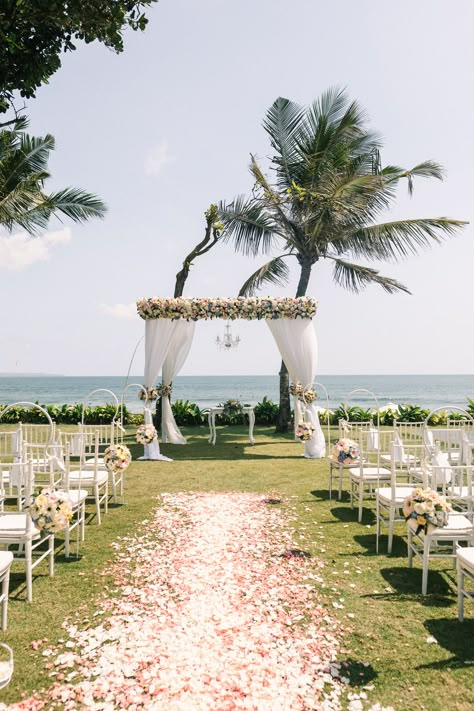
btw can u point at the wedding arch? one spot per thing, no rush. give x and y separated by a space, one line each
169 331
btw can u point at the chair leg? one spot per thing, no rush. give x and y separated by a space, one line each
330 483
460 594
410 547
51 557
83 521
29 571
106 500
97 503
339 496
391 526
67 536
361 499
377 530
426 562
5 587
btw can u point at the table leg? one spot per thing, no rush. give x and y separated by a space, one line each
251 425
214 427
209 421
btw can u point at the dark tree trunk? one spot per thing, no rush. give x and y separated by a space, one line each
284 411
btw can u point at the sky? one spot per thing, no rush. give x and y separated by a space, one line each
166 128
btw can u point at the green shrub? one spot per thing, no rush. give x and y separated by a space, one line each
187 413
66 414
266 412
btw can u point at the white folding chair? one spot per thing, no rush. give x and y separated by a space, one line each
77 497
17 529
106 435
390 499
465 568
368 475
438 542
91 476
337 471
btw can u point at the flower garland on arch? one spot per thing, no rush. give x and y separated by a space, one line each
250 308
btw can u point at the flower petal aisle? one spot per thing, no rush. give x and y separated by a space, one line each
212 612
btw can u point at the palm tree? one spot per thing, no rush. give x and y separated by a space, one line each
325 201
23 172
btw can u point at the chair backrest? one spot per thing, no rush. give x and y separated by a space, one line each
93 469
352 429
409 431
103 435
37 434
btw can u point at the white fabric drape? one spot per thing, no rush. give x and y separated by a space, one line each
296 341
158 335
178 351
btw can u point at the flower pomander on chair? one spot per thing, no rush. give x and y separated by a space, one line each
146 434
117 457
304 431
426 507
51 510
346 452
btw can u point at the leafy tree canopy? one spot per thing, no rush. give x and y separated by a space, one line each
34 33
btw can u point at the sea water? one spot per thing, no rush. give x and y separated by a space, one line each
429 391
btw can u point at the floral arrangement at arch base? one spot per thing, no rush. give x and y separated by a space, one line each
145 434
164 390
51 510
304 431
151 394
346 452
117 457
426 507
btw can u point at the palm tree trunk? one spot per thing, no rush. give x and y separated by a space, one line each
284 411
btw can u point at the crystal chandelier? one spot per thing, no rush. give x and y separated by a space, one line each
227 342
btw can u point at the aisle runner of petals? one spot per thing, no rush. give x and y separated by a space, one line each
209 616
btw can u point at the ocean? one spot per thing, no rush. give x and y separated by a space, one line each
429 391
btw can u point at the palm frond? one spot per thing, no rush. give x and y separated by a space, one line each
426 169
76 204
398 239
355 277
248 225
31 156
273 272
281 121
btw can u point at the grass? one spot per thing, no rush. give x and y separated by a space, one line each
391 620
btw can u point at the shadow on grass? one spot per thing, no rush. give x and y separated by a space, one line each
358 673
407 584
454 636
323 495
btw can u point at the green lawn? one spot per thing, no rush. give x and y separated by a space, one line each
391 620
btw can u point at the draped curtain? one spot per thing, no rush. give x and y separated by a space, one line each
178 351
296 341
158 338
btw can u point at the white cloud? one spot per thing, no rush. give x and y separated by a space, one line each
20 251
157 158
122 311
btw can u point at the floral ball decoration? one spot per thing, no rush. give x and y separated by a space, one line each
296 389
304 431
346 451
164 390
151 394
117 457
145 434
309 395
51 510
426 506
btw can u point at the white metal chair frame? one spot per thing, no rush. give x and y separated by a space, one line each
389 499
340 471
6 560
93 478
465 570
77 497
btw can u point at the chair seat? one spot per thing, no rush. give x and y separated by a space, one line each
77 496
457 526
466 558
14 526
84 478
6 559
462 492
386 496
370 473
